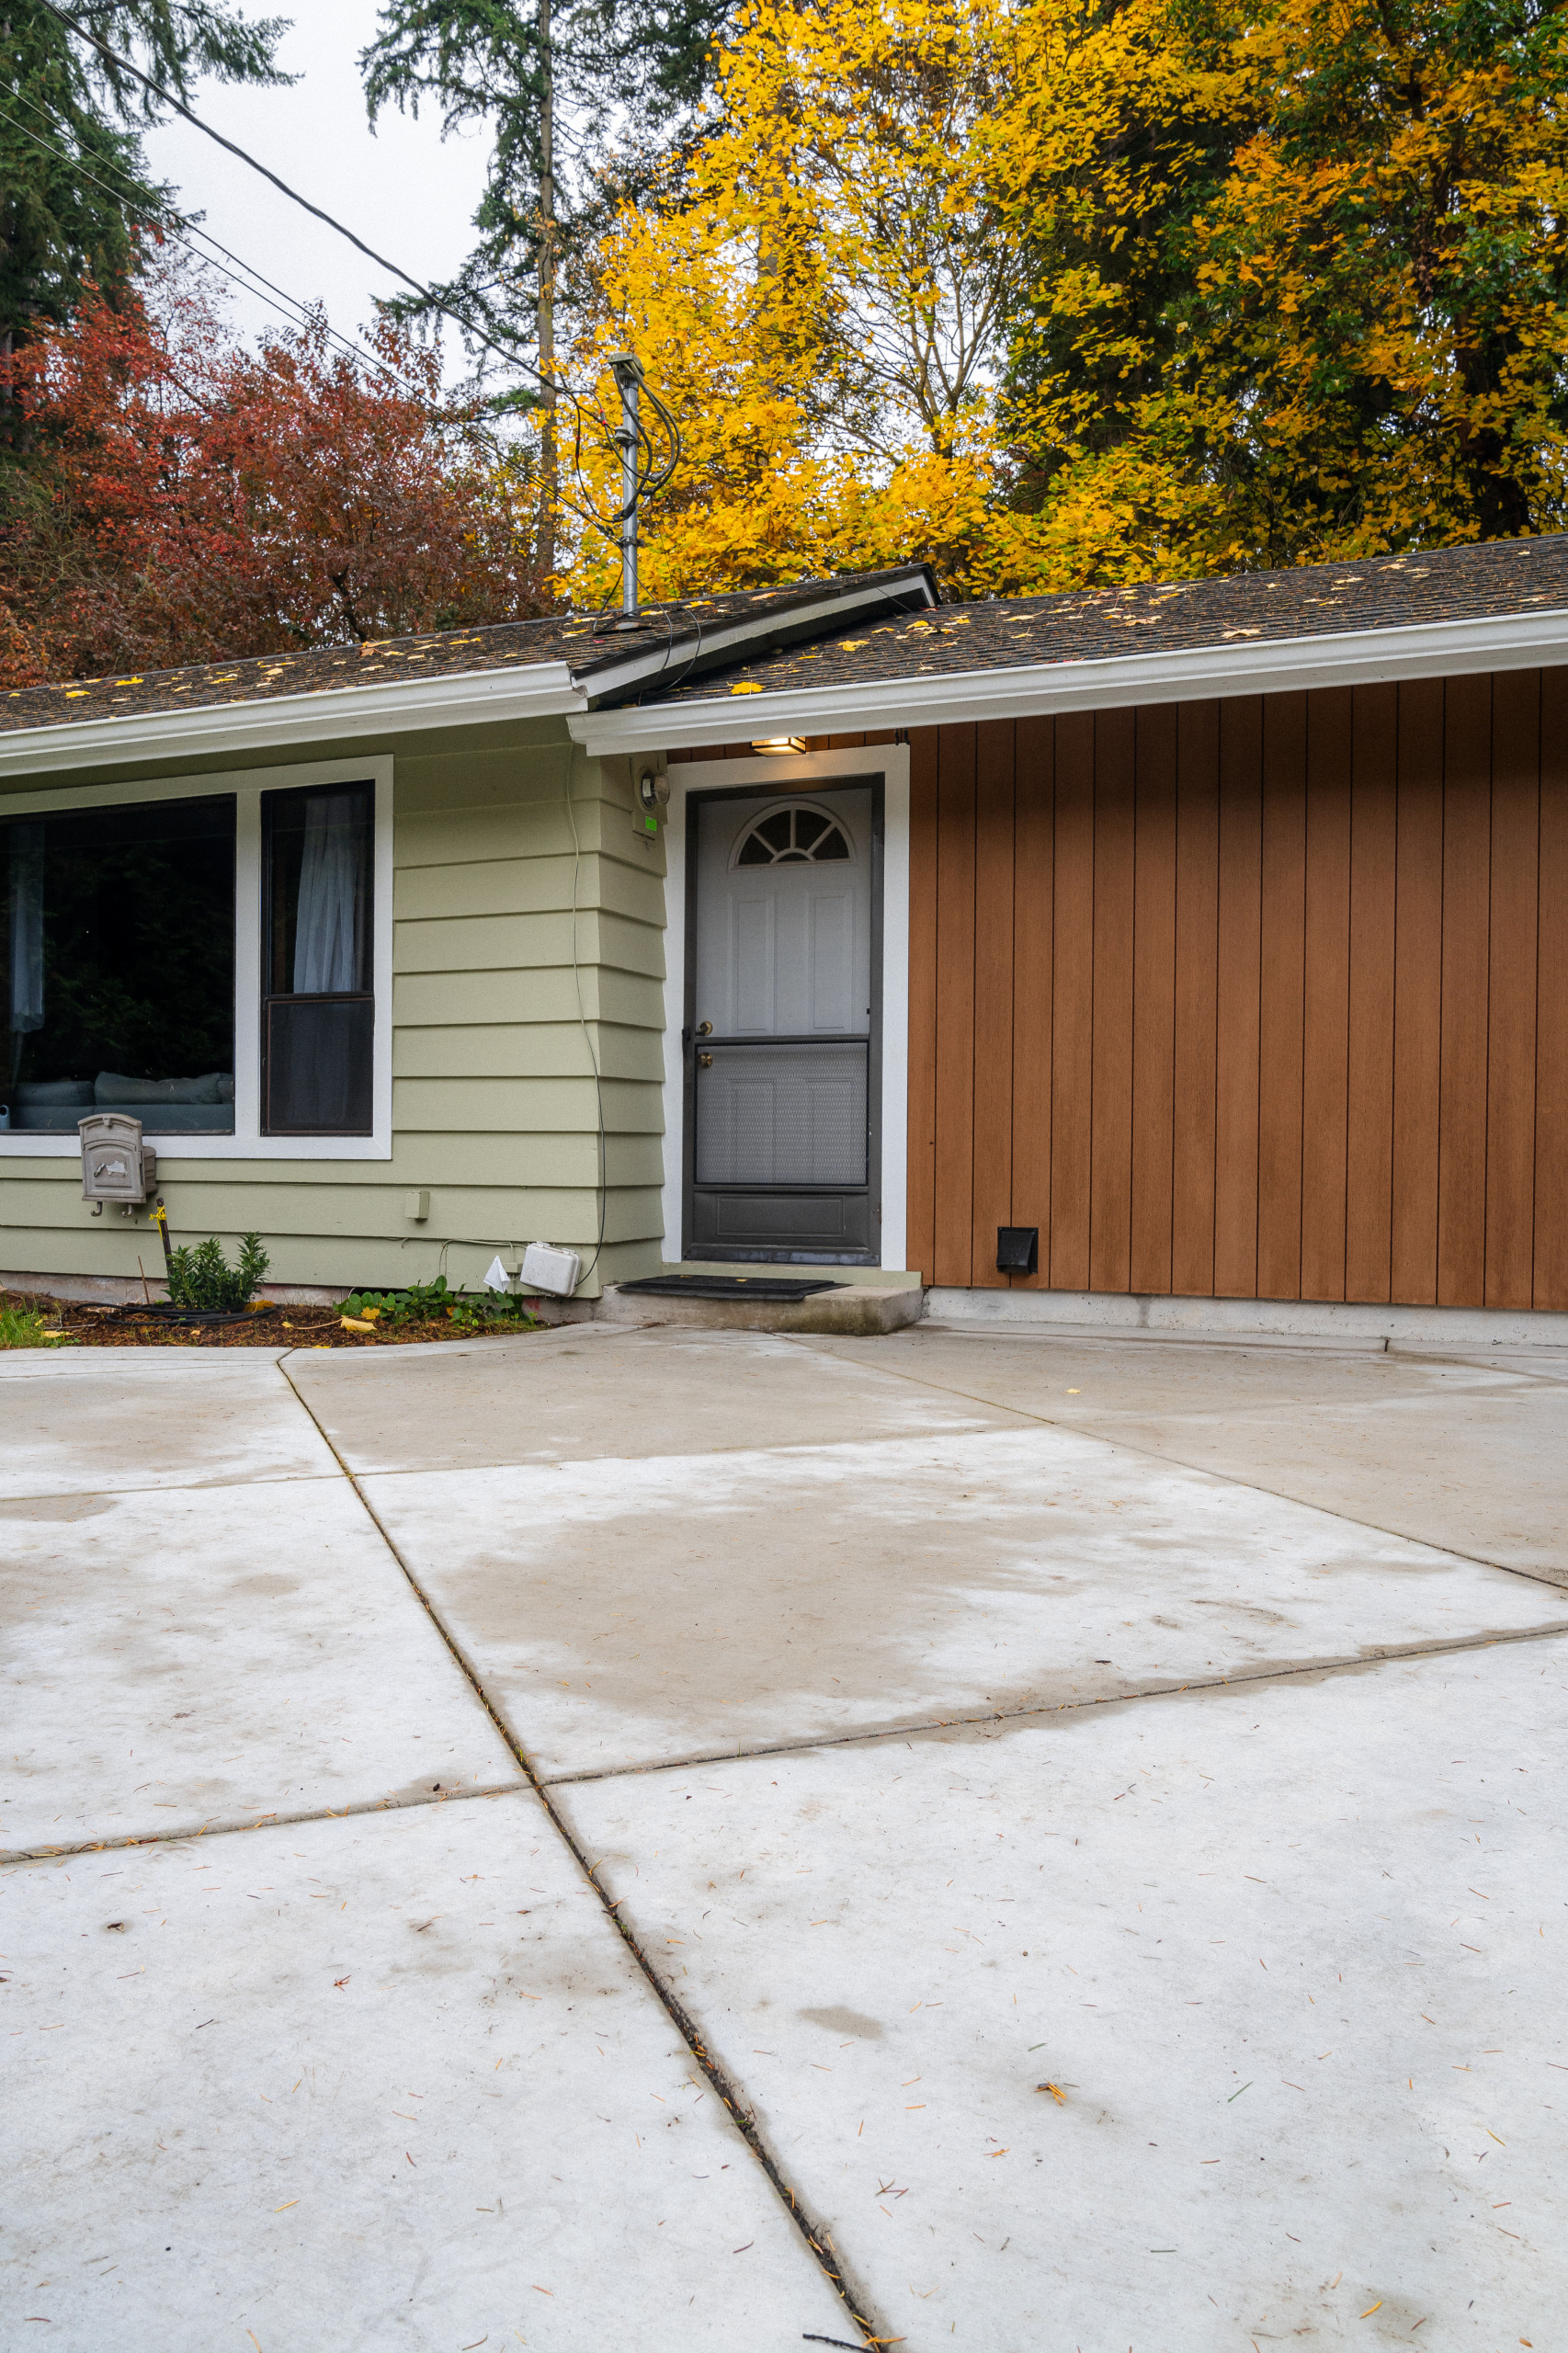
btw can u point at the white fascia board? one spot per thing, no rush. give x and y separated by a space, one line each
1275 666
540 691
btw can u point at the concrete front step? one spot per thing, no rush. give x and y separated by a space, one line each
861 1309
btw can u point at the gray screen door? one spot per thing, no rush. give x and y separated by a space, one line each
781 1025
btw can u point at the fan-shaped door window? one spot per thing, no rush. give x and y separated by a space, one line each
798 835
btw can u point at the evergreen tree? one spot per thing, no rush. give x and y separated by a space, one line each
558 83
75 189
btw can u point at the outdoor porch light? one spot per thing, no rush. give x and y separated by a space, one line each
779 743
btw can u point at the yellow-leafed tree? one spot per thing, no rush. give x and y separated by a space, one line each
1298 281
1068 293
819 296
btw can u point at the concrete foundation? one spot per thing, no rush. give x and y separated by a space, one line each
1352 1322
117 1290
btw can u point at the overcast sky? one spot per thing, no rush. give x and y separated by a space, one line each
405 189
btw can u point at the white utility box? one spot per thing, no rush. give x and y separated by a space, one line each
546 1269
116 1165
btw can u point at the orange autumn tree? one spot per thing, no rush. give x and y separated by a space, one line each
187 498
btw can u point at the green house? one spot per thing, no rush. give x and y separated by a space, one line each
1090 955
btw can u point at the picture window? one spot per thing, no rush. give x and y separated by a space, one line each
117 961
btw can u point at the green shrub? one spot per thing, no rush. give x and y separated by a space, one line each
199 1276
416 1306
484 1311
424 1302
419 1305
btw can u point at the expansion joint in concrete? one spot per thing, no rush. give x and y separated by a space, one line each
1222 1478
815 2234
926 1727
268 1821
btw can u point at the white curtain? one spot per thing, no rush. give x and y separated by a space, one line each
26 931
324 935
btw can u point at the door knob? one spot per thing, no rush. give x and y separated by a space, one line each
704 1061
705 1028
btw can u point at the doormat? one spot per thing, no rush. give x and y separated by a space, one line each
730 1286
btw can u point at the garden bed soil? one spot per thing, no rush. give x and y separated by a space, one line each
88 1324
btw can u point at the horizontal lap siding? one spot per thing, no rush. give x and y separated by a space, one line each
528 951
1262 998
495 1038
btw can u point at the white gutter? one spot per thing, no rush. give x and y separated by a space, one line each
537 690
1236 666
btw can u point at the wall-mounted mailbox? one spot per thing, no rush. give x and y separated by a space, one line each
1018 1249
116 1165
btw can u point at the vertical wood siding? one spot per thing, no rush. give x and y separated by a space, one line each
1262 998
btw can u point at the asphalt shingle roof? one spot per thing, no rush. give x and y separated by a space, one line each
1385 592
573 638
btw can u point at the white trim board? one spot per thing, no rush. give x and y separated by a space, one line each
246 787
540 691
1264 665
892 760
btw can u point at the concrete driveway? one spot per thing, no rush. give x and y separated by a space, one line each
953 1840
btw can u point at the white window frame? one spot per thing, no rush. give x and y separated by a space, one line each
797 772
246 787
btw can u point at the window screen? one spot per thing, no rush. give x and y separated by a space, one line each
117 966
784 1113
318 1012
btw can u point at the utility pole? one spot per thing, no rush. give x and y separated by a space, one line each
627 370
549 465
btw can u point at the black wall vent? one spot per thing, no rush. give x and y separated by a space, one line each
1018 1249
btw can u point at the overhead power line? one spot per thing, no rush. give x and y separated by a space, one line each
393 269
244 274
651 480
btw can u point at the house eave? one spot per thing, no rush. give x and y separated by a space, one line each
542 690
1278 665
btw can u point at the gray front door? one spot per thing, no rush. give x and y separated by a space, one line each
781 1025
